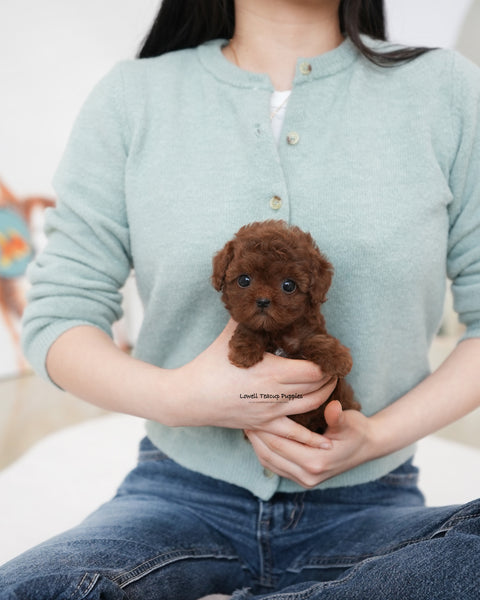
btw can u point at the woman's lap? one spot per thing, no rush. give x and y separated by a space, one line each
173 533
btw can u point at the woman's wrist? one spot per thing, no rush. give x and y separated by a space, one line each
378 439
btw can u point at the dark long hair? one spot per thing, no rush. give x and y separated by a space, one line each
188 23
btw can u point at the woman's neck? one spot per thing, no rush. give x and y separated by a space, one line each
270 35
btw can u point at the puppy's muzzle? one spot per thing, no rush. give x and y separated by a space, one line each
263 303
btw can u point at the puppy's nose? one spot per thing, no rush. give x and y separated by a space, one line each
263 302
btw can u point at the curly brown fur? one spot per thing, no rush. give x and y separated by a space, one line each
273 279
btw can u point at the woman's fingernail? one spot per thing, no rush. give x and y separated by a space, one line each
326 446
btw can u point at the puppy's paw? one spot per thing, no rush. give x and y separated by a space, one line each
338 363
245 359
242 354
329 354
246 348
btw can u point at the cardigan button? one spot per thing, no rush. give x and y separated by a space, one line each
268 474
275 202
293 138
305 68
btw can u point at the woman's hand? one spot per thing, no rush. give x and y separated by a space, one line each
352 442
356 439
212 391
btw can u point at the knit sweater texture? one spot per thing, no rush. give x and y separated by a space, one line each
170 156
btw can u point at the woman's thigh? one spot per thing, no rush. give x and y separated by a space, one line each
379 540
149 541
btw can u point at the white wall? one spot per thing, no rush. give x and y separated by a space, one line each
51 54
426 22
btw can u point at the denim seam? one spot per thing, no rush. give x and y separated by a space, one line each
296 513
355 560
304 594
162 560
90 585
454 520
263 544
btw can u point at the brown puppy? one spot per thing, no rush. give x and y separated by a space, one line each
273 280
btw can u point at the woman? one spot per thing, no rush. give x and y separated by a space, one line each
376 157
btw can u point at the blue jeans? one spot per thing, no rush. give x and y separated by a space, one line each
173 534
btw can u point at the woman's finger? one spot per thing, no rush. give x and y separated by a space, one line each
283 466
295 371
295 403
334 415
290 430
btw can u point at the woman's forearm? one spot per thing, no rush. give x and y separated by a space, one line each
448 394
86 362
208 390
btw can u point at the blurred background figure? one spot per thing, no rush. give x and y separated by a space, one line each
17 246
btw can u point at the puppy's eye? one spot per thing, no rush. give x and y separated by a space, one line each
244 281
289 286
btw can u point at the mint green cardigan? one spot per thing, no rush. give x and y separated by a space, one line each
171 155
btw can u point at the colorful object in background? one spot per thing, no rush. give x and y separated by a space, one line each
15 244
16 251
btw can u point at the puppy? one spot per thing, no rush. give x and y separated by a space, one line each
273 280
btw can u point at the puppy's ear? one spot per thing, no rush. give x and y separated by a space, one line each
221 260
321 278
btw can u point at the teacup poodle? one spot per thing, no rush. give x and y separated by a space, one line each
273 280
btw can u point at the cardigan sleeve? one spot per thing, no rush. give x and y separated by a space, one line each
463 261
77 278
